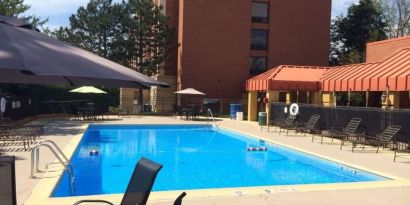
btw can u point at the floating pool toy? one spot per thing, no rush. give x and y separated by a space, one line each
93 152
257 149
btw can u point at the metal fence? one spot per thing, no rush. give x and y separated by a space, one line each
21 107
374 120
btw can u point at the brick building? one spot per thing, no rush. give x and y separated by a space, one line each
222 43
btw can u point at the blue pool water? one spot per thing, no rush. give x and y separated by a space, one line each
194 157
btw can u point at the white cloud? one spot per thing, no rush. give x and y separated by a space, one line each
340 6
58 11
54 7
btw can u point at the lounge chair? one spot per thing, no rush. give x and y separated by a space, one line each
382 140
277 121
401 147
8 181
140 185
287 124
341 133
281 122
26 134
309 126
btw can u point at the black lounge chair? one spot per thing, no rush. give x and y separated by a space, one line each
8 181
342 133
401 147
382 140
140 185
276 122
309 126
287 124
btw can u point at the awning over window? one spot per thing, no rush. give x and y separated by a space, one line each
288 78
392 72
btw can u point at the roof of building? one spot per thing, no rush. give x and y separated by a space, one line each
288 77
389 40
392 72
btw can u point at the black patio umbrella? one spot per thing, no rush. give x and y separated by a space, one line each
27 56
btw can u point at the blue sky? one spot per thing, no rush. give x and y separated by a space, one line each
58 11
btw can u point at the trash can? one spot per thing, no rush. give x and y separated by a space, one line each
262 118
147 108
239 116
235 108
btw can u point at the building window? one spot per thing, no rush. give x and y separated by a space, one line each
259 39
258 65
260 12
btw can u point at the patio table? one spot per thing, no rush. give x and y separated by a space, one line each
87 112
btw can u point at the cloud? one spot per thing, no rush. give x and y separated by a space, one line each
58 11
339 7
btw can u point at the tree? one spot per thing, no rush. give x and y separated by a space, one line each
397 13
14 8
94 27
149 36
133 33
364 23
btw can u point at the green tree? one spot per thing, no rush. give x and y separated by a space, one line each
133 33
150 39
397 14
94 27
364 23
14 8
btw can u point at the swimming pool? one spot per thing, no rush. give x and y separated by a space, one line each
194 157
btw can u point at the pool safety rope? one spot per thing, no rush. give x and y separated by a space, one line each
257 149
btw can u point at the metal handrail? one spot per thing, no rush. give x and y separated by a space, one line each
35 158
212 117
57 148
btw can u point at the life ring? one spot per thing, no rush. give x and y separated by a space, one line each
294 109
2 105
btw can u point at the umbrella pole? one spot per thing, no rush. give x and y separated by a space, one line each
367 98
140 99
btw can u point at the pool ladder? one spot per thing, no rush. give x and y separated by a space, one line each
209 111
62 159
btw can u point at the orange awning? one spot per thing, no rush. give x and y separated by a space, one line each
288 78
392 72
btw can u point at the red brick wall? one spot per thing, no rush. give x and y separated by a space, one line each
299 32
379 50
171 11
214 37
215 43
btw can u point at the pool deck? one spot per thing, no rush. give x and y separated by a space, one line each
67 133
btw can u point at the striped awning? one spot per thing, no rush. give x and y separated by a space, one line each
393 73
288 78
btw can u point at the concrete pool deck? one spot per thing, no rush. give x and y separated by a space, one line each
65 132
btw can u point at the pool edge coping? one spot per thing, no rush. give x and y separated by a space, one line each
41 194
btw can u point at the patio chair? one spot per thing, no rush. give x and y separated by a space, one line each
381 140
401 148
341 133
309 126
25 134
277 122
140 185
8 180
287 124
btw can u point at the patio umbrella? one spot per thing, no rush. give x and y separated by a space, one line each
88 89
27 56
189 91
